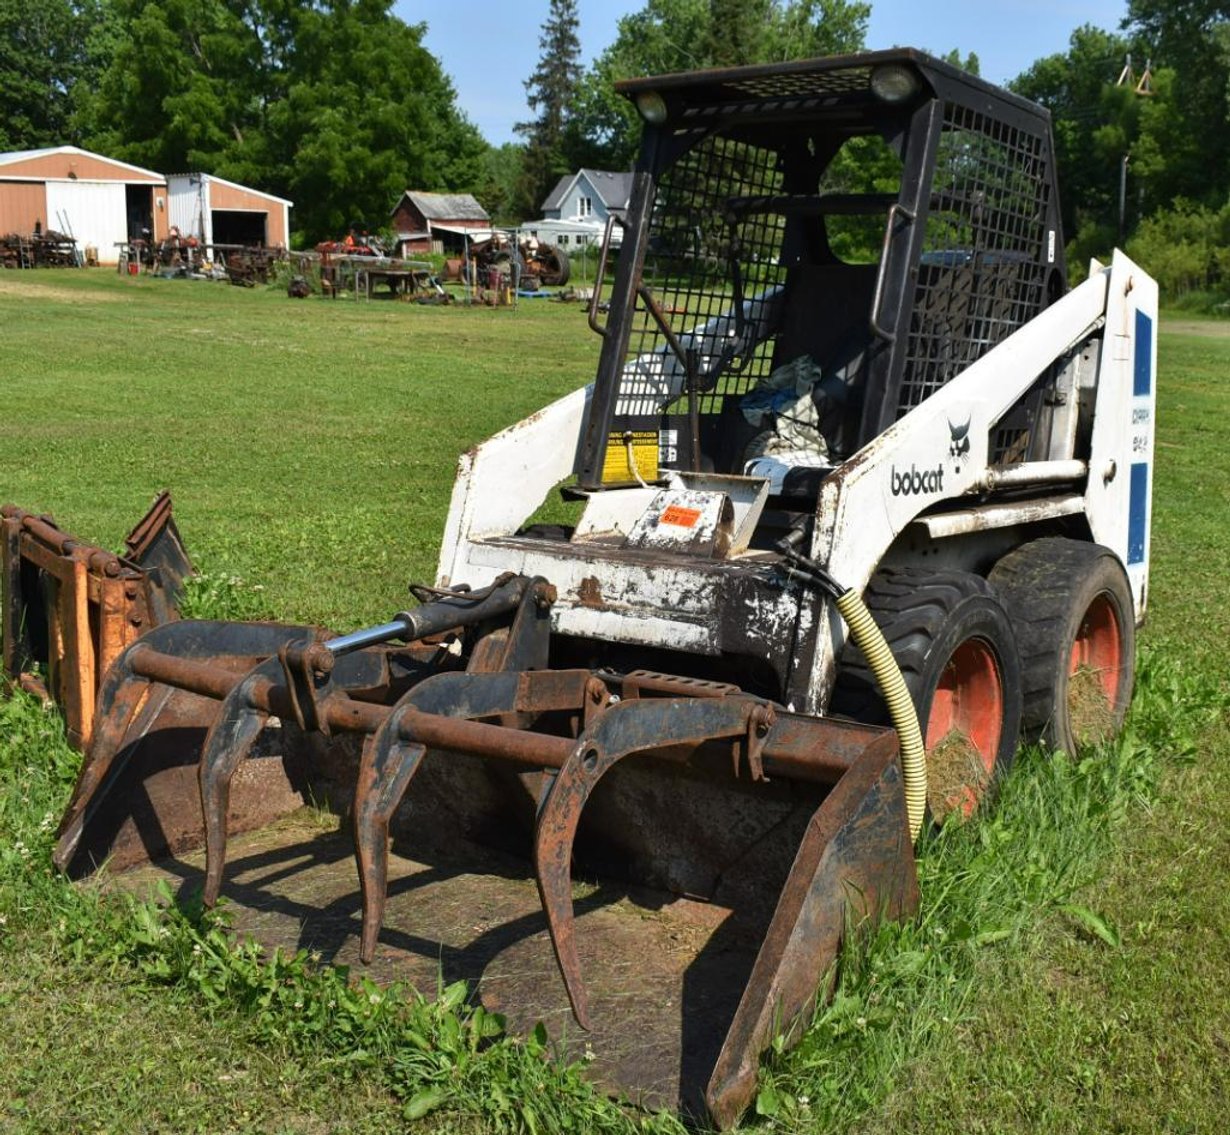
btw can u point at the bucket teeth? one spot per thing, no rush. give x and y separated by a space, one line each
389 764
625 729
122 696
228 742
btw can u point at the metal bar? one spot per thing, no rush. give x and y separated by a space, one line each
877 299
456 734
1032 473
79 661
444 614
12 635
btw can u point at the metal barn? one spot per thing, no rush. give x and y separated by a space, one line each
221 212
99 201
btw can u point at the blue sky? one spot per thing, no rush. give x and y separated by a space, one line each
489 48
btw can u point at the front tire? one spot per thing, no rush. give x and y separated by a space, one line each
1071 607
954 643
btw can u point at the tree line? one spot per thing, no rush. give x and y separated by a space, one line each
338 105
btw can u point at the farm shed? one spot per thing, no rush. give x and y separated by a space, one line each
436 222
98 200
217 211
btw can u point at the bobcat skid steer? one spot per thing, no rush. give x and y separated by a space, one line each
859 493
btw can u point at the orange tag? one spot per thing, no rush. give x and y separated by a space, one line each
682 517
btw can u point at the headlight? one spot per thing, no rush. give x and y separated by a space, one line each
652 107
894 82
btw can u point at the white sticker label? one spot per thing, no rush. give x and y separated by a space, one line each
1050 246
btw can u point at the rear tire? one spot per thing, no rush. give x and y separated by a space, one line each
1071 608
954 643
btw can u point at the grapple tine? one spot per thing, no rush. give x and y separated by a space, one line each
392 756
625 729
227 743
120 699
388 765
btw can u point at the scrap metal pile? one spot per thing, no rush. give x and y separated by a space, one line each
527 264
247 267
43 249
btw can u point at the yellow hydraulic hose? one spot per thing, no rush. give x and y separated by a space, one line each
870 641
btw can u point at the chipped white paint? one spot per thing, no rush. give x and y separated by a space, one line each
1121 452
610 516
985 517
501 482
685 520
747 498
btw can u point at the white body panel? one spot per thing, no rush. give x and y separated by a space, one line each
1119 497
864 505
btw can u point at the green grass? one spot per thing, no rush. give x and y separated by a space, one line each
310 445
1068 968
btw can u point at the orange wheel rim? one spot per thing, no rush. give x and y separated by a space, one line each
964 729
1098 646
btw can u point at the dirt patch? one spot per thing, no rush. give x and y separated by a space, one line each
19 284
1089 709
1208 328
957 776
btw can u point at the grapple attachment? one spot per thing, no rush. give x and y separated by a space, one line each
778 830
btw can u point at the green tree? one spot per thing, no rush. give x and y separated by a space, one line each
736 30
678 35
1094 125
45 59
1191 39
807 29
550 91
335 104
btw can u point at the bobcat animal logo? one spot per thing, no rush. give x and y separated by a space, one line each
959 445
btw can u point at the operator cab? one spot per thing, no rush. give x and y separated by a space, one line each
812 249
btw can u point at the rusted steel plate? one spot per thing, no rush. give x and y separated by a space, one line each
70 608
664 974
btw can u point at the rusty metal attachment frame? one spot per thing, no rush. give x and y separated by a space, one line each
508 709
70 608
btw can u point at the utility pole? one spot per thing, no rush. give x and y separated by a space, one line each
1143 87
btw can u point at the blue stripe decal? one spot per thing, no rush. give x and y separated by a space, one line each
1138 505
1142 379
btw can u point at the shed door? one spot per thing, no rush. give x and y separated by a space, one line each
94 212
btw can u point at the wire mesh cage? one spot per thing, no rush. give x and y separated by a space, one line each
982 273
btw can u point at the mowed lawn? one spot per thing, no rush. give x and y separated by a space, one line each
310 447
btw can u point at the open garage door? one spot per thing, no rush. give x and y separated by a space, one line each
240 226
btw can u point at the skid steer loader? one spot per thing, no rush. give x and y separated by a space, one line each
860 493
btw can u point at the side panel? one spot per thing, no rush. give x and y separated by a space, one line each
187 201
918 463
21 204
1119 495
502 481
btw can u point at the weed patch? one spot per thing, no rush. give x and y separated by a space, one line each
990 884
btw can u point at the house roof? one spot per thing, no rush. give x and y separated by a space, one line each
445 206
614 189
14 156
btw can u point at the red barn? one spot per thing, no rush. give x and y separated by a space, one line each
436 222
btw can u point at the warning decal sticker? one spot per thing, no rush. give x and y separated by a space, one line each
682 517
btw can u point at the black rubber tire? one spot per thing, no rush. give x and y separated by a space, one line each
926 618
556 275
1057 591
